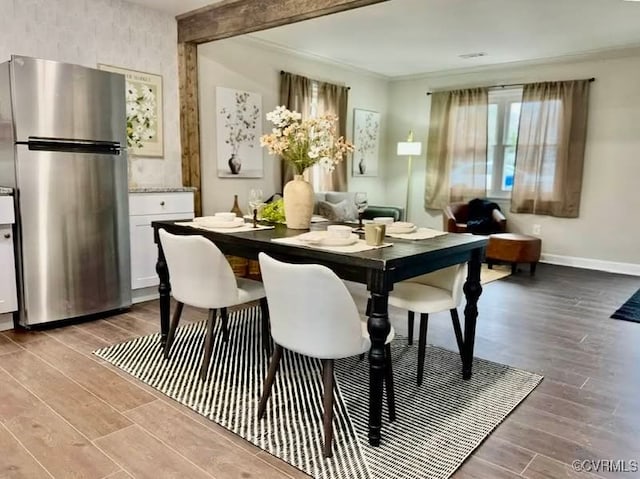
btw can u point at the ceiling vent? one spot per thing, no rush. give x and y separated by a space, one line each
473 55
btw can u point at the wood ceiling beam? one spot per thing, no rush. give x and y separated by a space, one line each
225 19
236 17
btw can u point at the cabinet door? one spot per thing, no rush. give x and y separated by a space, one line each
144 252
8 299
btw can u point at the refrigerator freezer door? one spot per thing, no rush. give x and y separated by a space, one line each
74 234
58 100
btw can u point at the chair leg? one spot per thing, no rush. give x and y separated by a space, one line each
422 345
455 319
266 329
172 329
532 268
388 383
268 383
328 380
410 316
224 315
514 268
208 344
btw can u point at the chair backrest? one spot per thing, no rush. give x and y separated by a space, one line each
200 274
450 279
310 309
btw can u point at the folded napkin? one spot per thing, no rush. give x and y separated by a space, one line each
419 234
357 247
240 229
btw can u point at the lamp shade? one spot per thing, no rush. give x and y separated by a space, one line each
409 148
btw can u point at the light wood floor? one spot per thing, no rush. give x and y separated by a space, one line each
65 413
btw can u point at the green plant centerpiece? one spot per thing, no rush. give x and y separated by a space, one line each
273 212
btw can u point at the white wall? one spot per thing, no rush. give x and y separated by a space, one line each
609 224
245 64
114 32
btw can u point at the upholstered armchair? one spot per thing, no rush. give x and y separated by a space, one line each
456 215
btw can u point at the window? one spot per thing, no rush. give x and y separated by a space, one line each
315 175
502 138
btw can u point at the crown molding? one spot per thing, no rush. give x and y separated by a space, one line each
592 55
276 47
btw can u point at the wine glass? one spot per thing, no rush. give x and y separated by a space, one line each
360 199
256 200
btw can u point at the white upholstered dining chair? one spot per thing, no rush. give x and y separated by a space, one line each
427 294
201 276
312 313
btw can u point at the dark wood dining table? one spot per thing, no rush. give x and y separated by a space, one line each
379 269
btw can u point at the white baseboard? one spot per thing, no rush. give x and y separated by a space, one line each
632 269
144 294
6 321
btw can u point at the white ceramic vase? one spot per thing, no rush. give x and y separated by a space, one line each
298 203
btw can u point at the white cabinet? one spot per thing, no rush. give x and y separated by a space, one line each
8 297
143 209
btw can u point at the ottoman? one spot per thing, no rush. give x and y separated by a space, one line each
514 248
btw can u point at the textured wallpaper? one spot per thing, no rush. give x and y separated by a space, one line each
88 32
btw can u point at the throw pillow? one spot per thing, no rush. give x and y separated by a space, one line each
335 211
338 196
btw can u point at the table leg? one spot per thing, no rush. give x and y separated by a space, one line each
472 291
379 327
165 294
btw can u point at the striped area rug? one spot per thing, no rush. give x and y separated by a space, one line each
438 425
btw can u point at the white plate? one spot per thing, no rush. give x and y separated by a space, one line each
400 229
321 238
213 222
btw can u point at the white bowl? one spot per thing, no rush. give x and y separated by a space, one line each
384 220
225 216
338 231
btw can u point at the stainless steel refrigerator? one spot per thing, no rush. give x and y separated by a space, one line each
62 148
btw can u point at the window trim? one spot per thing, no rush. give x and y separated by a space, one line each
503 98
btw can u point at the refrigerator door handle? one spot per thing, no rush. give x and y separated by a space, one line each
72 146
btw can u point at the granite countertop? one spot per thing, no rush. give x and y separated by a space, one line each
5 191
162 189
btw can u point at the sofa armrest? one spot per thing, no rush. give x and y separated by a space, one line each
500 219
377 211
449 220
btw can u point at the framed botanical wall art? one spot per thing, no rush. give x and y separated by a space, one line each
144 111
366 140
238 130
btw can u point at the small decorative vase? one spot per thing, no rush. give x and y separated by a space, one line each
298 203
362 167
236 207
234 164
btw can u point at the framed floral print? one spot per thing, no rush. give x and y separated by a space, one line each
366 140
238 130
144 111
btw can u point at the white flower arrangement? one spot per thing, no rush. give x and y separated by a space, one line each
141 114
303 143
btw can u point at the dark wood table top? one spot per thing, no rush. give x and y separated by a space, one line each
403 257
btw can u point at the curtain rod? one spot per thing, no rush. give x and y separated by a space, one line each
282 72
506 85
